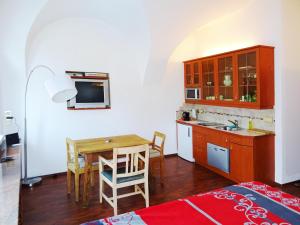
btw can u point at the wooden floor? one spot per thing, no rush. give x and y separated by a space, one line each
48 203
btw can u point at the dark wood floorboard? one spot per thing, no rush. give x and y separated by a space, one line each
48 203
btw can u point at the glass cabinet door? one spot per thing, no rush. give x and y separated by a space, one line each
247 82
188 74
208 80
196 79
225 79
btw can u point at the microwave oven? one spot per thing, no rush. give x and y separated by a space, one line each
192 93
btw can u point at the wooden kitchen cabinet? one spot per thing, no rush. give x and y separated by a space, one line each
192 74
241 162
208 86
243 78
226 80
199 146
251 157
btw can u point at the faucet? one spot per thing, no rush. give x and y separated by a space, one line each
235 123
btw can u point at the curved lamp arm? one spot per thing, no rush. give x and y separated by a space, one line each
28 80
60 89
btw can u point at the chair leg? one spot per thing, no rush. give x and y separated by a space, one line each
150 167
77 186
69 177
101 183
115 201
92 178
146 187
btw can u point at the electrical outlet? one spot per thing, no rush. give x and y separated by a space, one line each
201 111
268 119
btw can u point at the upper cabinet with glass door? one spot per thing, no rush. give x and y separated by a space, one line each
192 74
247 76
226 78
208 80
188 75
243 78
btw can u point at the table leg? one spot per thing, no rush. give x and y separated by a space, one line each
87 175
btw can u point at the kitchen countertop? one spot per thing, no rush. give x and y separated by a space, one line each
242 132
10 175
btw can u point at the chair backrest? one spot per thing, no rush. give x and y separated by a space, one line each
137 161
158 142
72 152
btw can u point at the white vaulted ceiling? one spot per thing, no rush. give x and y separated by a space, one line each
155 27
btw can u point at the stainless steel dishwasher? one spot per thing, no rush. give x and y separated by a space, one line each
218 157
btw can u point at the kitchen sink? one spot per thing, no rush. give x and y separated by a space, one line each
228 128
209 124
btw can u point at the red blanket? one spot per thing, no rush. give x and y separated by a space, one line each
246 203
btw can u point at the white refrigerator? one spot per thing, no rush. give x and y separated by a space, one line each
185 142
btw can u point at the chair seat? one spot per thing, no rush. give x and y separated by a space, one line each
108 175
154 153
81 162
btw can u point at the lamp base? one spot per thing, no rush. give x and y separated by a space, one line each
297 184
7 159
30 182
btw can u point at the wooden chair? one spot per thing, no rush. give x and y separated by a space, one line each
130 175
75 164
157 150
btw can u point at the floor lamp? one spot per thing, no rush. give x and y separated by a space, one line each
60 89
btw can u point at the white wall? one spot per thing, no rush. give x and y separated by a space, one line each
291 90
250 26
257 22
89 45
121 52
15 23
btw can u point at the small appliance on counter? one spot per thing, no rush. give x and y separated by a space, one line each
10 129
194 114
186 116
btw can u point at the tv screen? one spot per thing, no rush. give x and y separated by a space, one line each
89 92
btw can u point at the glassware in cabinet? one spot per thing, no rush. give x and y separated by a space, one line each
225 78
247 77
208 80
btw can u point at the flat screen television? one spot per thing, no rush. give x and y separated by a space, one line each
92 93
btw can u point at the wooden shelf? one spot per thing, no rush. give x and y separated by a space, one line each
223 86
69 108
90 77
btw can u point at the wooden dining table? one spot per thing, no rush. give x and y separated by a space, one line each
93 147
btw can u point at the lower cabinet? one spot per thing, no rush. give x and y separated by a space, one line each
241 162
251 157
199 147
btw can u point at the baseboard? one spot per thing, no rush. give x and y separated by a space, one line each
65 172
54 175
171 155
290 179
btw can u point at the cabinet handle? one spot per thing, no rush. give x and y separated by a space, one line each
189 132
226 140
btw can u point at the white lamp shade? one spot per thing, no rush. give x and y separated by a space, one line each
61 88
